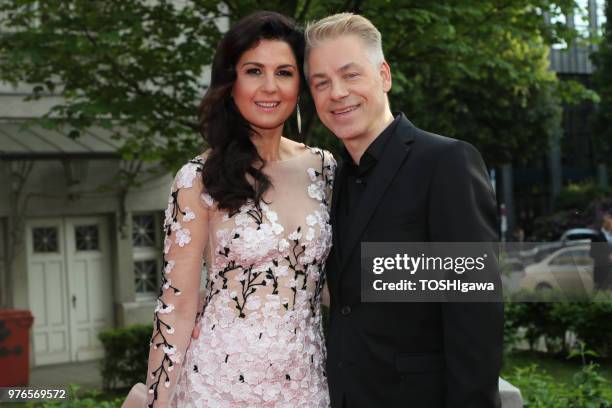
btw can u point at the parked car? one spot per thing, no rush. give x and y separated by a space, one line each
579 234
568 269
574 236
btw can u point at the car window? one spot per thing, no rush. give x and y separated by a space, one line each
579 236
573 257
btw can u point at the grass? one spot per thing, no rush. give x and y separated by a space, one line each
559 368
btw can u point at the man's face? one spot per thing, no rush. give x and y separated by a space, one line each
607 222
349 92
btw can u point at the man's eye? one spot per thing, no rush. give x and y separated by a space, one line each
253 71
351 75
321 85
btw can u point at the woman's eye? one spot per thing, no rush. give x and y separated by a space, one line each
253 71
351 75
285 72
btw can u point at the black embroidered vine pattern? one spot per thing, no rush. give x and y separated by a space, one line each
248 288
327 171
158 339
270 275
250 279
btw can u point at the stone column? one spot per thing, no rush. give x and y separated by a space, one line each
602 175
510 395
507 195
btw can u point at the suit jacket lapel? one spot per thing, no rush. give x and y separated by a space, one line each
394 154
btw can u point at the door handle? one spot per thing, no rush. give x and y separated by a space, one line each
74 301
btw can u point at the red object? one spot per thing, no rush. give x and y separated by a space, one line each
15 347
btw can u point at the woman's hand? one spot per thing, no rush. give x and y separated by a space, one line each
196 328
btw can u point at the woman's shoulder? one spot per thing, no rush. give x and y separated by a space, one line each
190 175
325 155
202 157
190 171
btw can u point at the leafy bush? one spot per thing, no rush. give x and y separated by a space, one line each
580 195
590 321
531 313
578 206
126 354
540 390
550 227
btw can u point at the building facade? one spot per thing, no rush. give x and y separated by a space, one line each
77 247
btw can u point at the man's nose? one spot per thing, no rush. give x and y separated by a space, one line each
338 90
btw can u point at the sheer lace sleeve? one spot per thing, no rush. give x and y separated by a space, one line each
329 170
186 235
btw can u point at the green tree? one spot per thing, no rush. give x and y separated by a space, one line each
472 69
602 81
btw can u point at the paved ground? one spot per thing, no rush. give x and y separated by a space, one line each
85 374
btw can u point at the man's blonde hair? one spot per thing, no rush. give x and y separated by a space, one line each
337 25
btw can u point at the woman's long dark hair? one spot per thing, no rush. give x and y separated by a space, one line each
233 155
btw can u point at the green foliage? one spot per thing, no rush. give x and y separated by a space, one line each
535 317
591 321
530 317
136 65
579 206
581 195
126 355
550 227
475 69
540 390
76 399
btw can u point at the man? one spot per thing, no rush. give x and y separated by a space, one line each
398 183
601 252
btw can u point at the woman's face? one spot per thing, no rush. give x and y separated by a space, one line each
267 85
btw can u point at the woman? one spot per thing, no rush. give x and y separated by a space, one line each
255 207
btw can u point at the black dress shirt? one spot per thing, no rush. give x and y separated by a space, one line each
356 180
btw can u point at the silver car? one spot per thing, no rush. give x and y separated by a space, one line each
568 269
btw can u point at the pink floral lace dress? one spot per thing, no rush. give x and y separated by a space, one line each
261 341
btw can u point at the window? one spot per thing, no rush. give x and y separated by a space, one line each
146 241
86 237
558 18
601 16
145 275
581 18
572 258
143 233
45 239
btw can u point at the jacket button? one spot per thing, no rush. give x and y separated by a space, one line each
341 365
346 310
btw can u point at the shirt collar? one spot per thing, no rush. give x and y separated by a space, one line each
376 148
607 234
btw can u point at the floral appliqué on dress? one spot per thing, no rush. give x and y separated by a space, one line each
261 341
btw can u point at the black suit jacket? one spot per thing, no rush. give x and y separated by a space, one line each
425 188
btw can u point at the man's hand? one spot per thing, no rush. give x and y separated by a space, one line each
196 328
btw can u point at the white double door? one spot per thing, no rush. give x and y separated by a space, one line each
70 287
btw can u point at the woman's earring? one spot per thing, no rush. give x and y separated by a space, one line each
299 120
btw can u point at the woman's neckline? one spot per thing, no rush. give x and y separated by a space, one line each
297 156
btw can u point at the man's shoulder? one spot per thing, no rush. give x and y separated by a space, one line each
434 147
435 144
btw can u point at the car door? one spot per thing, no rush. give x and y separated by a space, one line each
570 269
